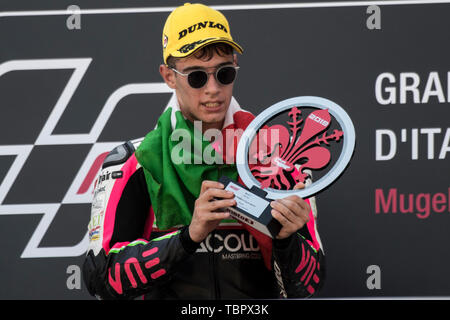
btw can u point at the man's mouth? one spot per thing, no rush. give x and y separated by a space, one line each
212 105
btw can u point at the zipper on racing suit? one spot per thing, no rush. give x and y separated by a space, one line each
215 290
213 257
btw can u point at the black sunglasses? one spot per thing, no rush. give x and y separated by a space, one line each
198 78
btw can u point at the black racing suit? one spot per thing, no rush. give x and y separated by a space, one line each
129 257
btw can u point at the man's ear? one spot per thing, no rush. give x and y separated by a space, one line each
235 58
168 75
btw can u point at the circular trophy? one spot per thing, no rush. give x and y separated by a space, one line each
302 143
285 145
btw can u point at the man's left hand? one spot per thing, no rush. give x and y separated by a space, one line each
292 212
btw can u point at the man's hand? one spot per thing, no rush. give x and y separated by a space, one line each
292 212
207 214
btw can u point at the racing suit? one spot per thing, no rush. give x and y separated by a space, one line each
128 256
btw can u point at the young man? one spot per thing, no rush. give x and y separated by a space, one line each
157 227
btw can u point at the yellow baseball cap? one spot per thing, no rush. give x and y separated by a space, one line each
193 26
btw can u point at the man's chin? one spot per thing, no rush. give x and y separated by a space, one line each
212 122
213 118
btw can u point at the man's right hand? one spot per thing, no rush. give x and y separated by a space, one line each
207 214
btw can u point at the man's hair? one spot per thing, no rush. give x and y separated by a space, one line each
206 53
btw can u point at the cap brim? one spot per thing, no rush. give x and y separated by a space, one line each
237 47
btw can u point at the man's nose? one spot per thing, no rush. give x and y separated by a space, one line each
212 86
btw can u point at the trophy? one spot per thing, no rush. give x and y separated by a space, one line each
283 146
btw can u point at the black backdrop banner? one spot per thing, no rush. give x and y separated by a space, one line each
78 78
